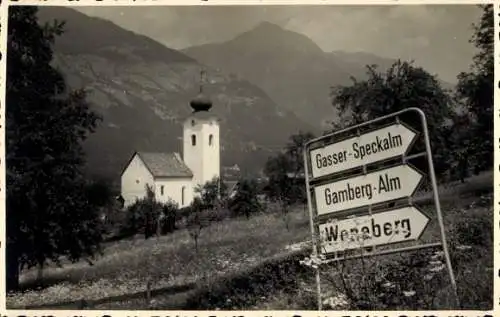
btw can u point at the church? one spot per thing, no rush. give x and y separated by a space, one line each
170 176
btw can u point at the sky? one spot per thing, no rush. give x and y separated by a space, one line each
436 37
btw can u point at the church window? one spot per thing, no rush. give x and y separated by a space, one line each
192 123
137 181
210 139
193 140
161 189
182 195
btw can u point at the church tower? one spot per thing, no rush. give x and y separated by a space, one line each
201 148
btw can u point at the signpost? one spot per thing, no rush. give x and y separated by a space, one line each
357 195
400 225
377 187
381 144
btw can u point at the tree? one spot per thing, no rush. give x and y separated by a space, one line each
294 151
99 195
280 187
285 185
169 213
144 216
47 214
475 90
212 192
99 192
151 212
285 169
460 144
245 201
401 86
196 220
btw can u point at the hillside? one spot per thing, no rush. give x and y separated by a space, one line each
293 70
245 264
142 89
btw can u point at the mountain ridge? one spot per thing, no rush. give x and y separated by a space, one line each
290 67
298 79
143 89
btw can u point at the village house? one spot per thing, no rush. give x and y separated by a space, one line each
170 176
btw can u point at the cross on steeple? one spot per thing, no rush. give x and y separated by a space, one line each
202 77
201 102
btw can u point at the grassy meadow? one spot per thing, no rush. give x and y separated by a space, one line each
254 264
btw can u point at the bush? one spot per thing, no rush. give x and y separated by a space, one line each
212 193
133 221
114 218
218 214
141 217
408 283
475 231
184 217
168 217
246 201
181 216
149 217
246 287
196 220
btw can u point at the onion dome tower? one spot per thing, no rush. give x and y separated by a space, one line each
202 102
201 147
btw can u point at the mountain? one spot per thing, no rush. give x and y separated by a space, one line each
292 69
142 90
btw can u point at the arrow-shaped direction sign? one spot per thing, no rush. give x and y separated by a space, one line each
378 145
373 188
399 225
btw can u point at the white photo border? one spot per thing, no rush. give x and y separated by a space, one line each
66 313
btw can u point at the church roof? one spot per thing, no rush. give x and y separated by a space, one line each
201 103
165 164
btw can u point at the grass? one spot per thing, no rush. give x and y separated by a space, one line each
170 260
472 264
233 263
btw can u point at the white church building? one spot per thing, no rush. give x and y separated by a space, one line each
171 176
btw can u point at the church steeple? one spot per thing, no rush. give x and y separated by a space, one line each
201 139
201 102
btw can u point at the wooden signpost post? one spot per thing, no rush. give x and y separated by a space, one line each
351 211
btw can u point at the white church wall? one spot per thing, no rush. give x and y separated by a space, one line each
178 189
134 180
191 153
203 158
211 152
